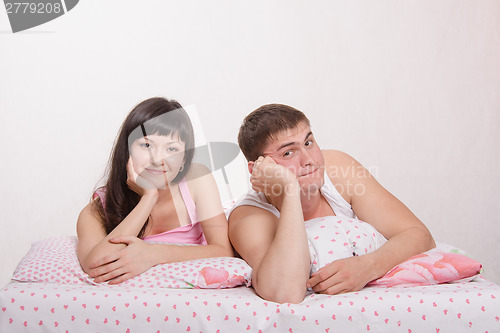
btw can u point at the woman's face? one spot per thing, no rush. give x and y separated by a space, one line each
157 157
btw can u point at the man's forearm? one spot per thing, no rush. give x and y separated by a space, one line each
399 248
282 274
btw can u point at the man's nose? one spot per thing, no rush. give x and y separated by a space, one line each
305 158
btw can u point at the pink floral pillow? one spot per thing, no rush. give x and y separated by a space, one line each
54 260
431 267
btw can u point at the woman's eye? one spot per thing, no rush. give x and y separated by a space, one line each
145 145
173 149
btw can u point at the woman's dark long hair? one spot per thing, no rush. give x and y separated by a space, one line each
152 116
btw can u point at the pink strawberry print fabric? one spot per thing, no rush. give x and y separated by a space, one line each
432 267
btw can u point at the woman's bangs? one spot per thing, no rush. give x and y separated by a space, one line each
163 129
167 124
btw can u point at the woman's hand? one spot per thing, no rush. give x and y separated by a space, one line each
137 183
124 264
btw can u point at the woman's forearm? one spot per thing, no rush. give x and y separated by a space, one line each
165 253
130 226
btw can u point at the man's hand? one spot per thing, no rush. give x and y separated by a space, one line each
342 276
270 178
124 264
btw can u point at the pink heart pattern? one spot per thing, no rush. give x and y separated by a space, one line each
58 255
335 237
49 307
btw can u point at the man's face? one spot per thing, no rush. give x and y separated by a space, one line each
297 150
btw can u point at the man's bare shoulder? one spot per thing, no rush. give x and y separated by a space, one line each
251 231
344 172
337 158
247 212
340 166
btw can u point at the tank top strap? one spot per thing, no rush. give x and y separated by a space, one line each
335 199
328 190
255 199
101 194
188 201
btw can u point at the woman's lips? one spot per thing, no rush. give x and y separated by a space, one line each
156 172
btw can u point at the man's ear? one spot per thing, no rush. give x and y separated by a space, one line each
250 166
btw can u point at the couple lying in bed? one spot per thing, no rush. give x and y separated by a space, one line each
154 193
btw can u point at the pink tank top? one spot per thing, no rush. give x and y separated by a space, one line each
186 234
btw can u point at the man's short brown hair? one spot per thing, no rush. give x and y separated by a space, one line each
262 124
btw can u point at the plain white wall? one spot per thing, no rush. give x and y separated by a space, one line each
411 89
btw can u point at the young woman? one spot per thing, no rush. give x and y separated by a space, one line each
152 193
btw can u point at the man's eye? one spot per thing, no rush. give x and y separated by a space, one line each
309 143
287 153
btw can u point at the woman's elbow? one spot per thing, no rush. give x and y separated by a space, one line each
85 264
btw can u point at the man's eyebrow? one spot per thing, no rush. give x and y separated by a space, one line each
285 145
293 142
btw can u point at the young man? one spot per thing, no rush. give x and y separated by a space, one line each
294 181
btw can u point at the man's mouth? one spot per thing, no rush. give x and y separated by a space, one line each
309 172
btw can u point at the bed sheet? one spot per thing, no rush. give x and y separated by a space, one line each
47 307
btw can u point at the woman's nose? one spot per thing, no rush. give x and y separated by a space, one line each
157 156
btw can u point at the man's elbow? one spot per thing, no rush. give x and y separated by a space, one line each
427 241
430 241
283 297
296 298
280 294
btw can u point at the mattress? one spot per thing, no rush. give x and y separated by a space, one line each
49 307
